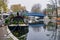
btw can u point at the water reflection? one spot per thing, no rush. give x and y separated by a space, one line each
36 29
41 32
37 32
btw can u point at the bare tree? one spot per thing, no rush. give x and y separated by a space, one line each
36 8
56 9
54 2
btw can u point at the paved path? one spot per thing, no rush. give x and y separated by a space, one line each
3 33
11 35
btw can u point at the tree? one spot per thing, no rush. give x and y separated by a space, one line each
36 8
3 6
17 7
56 9
51 10
5 9
54 2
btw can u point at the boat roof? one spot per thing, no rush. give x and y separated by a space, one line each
4 14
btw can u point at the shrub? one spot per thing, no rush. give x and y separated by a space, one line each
7 21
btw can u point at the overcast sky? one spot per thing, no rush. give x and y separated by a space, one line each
28 3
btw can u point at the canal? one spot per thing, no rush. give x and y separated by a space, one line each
37 32
40 32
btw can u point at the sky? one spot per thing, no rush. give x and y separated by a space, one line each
28 3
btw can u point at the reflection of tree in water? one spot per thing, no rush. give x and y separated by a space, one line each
59 35
44 26
52 28
36 29
51 24
19 32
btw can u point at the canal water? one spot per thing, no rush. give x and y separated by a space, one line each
37 32
40 32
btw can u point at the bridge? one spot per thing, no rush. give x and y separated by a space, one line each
35 17
35 14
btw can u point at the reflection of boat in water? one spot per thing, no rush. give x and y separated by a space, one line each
36 25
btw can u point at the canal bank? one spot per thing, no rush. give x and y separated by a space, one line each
5 34
33 32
